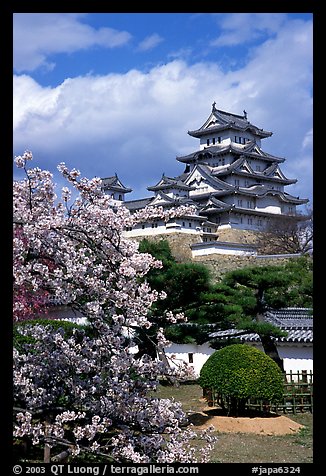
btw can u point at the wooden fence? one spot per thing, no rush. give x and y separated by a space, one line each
297 396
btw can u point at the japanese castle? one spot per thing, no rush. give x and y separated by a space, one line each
232 182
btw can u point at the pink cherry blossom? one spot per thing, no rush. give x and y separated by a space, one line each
91 393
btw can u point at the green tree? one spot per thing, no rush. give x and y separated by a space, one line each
239 372
262 287
184 284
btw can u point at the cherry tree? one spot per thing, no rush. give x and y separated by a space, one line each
87 394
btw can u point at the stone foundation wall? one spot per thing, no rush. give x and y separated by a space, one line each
239 236
179 243
220 264
217 263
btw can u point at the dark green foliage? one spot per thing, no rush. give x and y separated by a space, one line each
159 249
184 283
238 301
289 285
187 333
238 372
300 291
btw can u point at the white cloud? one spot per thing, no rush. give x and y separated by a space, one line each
38 35
241 28
150 42
136 123
307 142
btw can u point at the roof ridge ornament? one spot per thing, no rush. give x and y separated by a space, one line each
245 114
214 106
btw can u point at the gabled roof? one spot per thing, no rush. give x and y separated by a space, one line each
162 199
213 205
114 183
205 172
168 183
219 120
241 166
274 172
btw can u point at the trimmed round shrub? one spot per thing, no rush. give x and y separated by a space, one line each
238 372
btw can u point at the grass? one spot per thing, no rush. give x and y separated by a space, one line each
249 448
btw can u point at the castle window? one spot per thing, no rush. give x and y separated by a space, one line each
258 168
236 182
207 142
183 223
213 140
219 140
190 224
143 227
249 221
191 358
120 196
239 203
260 222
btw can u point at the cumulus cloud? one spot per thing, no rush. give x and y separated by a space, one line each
38 35
136 123
150 42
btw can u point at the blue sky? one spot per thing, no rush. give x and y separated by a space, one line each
117 92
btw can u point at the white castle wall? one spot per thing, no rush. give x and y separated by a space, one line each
296 357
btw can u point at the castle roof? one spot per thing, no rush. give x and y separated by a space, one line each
223 188
170 182
251 149
297 322
220 120
114 183
133 205
241 166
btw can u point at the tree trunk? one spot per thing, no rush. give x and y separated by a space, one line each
267 341
270 349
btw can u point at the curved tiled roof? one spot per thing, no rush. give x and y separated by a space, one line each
114 183
220 120
297 322
169 182
249 150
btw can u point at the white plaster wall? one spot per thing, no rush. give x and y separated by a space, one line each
216 248
201 187
268 204
227 137
177 353
195 229
295 357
